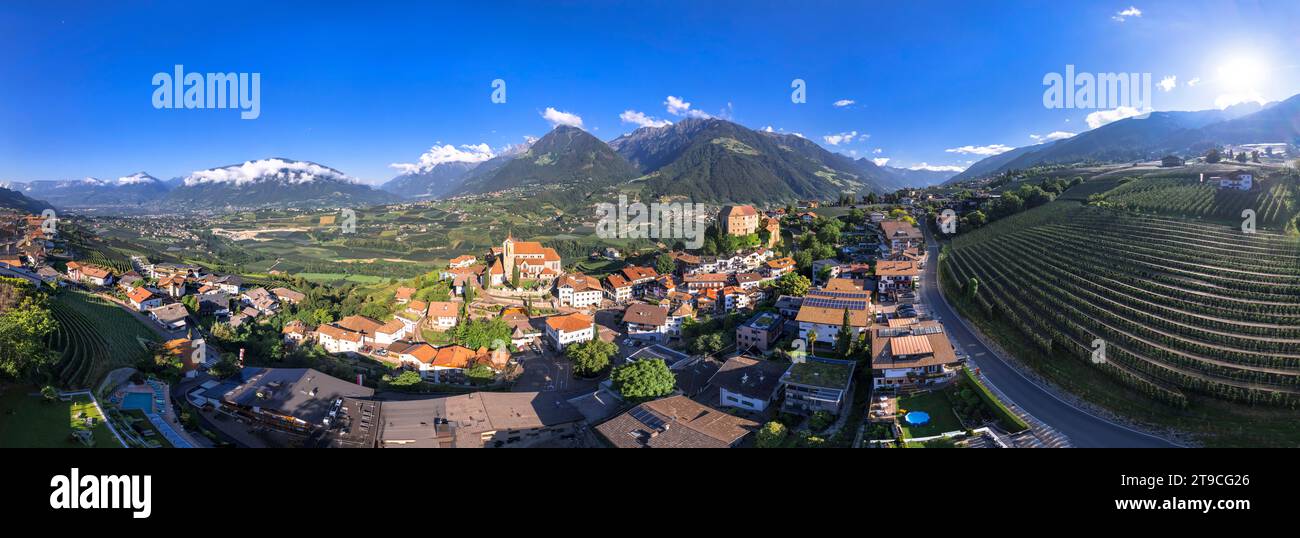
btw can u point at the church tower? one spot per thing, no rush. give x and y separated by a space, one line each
508 256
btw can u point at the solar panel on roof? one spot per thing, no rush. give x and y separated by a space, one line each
840 294
646 417
837 304
920 331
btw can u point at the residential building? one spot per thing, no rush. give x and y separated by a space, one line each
893 277
675 422
142 299
748 383
565 329
898 235
171 317
618 288
287 295
462 261
477 420
443 314
677 316
696 283
336 339
748 281
906 352
822 310
391 332
778 267
90 274
646 321
299 399
578 290
816 384
759 333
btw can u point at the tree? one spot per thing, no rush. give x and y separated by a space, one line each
1241 157
812 340
844 339
665 264
191 303
708 344
49 393
793 284
772 435
975 219
481 374
23 329
1213 156
406 379
514 278
643 380
973 287
591 357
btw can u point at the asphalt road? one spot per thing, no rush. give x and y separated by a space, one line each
1083 429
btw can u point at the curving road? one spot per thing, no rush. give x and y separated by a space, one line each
1083 429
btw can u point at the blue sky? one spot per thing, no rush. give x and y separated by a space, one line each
360 88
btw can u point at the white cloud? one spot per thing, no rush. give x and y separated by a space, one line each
1054 135
295 172
843 103
1102 117
880 161
841 138
768 129
679 107
991 149
1193 82
937 167
446 153
1229 99
641 119
557 117
877 151
1168 83
1130 12
136 179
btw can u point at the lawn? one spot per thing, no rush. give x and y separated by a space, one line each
942 419
30 422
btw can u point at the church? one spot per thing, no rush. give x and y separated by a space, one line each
535 262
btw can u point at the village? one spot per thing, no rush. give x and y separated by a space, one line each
744 347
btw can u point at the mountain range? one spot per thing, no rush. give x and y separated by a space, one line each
1154 135
701 159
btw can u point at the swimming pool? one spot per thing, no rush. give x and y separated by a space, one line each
138 400
917 418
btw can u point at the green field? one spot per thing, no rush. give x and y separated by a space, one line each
94 337
31 422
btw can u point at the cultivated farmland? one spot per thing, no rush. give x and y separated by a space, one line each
1183 307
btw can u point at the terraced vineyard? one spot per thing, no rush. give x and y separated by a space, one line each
94 337
1183 307
1274 201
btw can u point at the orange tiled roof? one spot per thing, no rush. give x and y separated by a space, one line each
570 322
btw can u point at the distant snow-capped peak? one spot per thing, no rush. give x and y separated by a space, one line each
275 169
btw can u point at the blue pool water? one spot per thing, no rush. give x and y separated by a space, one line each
138 400
917 418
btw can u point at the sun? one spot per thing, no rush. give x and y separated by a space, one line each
1242 71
